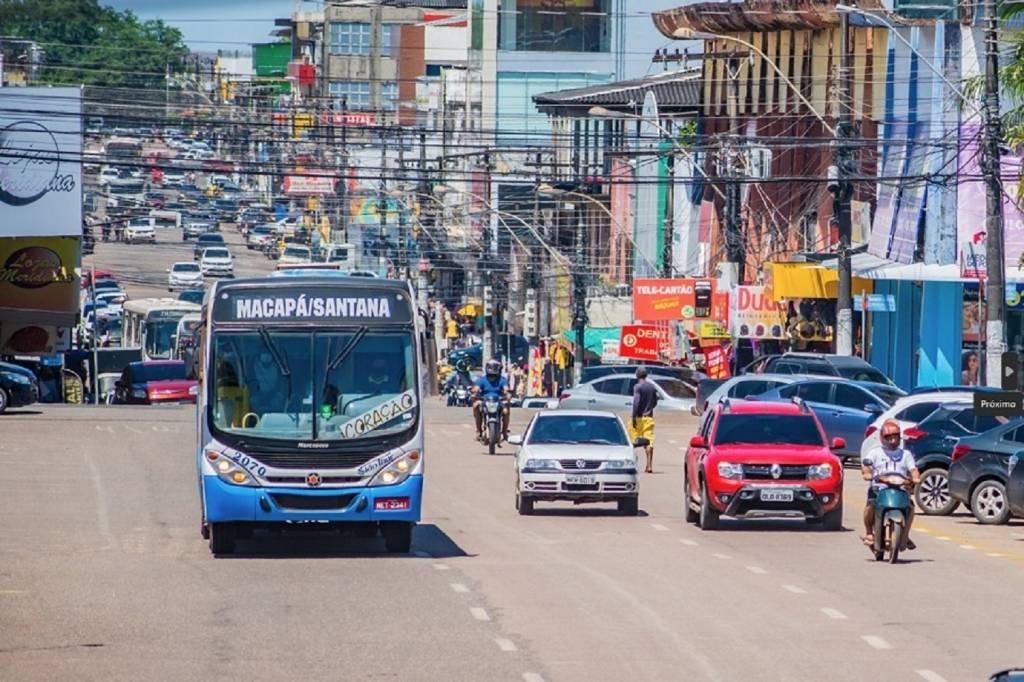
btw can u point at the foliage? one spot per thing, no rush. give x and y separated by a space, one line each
90 44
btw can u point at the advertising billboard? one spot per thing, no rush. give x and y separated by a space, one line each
660 300
756 315
40 162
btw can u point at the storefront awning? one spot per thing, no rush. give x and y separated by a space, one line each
809 280
872 267
593 337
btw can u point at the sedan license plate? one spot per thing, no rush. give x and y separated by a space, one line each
776 495
576 479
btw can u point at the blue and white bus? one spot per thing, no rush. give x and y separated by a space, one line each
310 408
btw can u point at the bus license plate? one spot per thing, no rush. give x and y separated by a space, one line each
576 479
776 495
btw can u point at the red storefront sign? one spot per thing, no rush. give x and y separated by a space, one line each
677 299
641 342
348 118
716 362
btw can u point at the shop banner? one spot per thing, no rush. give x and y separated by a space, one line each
37 275
309 185
641 342
657 300
40 162
755 315
716 362
29 339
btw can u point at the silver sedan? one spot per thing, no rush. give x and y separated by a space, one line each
615 392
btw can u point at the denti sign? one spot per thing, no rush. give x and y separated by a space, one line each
642 341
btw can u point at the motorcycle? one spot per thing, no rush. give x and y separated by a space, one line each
492 421
892 517
460 396
270 250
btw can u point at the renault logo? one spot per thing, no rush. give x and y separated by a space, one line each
313 479
580 464
776 471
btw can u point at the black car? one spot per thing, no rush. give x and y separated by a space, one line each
818 364
981 468
931 442
205 241
18 386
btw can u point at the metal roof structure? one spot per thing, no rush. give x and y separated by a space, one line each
758 15
676 91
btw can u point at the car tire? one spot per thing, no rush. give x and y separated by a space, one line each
708 517
989 504
833 520
4 401
222 538
397 536
932 494
630 506
689 513
524 505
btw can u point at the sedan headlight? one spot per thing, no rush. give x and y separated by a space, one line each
15 378
540 464
730 470
819 471
620 464
229 471
397 471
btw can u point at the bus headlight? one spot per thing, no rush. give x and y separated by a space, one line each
397 471
229 472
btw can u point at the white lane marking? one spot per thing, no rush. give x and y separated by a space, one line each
441 567
479 613
794 589
505 644
876 642
930 676
532 677
102 514
13 591
994 554
689 543
756 569
941 537
465 426
967 547
674 442
421 554
658 526
459 587
131 428
720 556
834 614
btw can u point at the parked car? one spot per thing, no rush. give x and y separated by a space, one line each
295 254
615 392
931 442
844 408
505 345
980 469
153 382
754 458
18 386
738 388
140 230
205 241
184 275
597 371
580 456
193 229
908 411
260 235
817 364
217 262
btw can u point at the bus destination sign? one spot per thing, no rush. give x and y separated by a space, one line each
319 304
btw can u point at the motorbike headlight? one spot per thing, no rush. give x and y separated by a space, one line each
138 393
620 464
730 470
819 471
397 471
540 464
229 471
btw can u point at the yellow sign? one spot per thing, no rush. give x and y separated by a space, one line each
713 330
37 274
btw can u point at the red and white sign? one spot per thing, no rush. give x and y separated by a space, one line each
642 342
716 362
756 315
309 185
349 118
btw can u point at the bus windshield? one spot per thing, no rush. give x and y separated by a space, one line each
159 334
313 385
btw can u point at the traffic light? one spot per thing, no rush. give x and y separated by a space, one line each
530 319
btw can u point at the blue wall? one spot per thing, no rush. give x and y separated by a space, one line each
941 332
894 336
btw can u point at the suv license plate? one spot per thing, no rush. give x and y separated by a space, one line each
776 495
575 479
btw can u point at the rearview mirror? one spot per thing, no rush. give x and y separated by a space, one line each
838 444
698 442
515 440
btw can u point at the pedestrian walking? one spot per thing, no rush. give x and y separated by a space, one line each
645 399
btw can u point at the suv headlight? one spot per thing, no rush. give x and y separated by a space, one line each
620 464
730 470
397 471
819 471
540 464
229 471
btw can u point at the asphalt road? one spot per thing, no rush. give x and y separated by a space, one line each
103 575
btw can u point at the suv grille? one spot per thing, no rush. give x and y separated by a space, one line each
315 460
764 471
588 464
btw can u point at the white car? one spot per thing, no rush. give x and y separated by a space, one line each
615 392
295 254
577 456
217 262
184 275
140 230
108 174
908 411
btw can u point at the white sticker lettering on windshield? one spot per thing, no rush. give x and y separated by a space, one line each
378 416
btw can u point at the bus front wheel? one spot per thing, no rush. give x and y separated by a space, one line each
397 536
222 538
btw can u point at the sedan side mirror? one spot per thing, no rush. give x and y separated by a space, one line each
698 442
838 444
873 408
515 440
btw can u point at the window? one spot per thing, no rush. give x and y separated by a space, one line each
822 368
862 374
610 386
744 388
815 392
674 388
916 413
355 93
535 25
390 40
851 397
389 95
350 38
1016 435
785 368
983 423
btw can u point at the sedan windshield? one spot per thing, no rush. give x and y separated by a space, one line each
764 429
331 386
216 253
564 429
185 267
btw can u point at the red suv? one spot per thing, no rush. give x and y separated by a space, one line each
763 459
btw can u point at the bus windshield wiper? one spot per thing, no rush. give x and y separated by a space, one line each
333 365
268 341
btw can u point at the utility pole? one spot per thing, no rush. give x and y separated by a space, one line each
486 263
995 306
579 297
733 236
842 192
667 269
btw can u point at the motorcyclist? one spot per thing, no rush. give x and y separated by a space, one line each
491 384
460 377
888 458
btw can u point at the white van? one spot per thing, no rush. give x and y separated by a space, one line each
342 255
165 219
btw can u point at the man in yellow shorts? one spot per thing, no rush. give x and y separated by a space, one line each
645 399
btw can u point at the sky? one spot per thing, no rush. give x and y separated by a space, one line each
209 25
